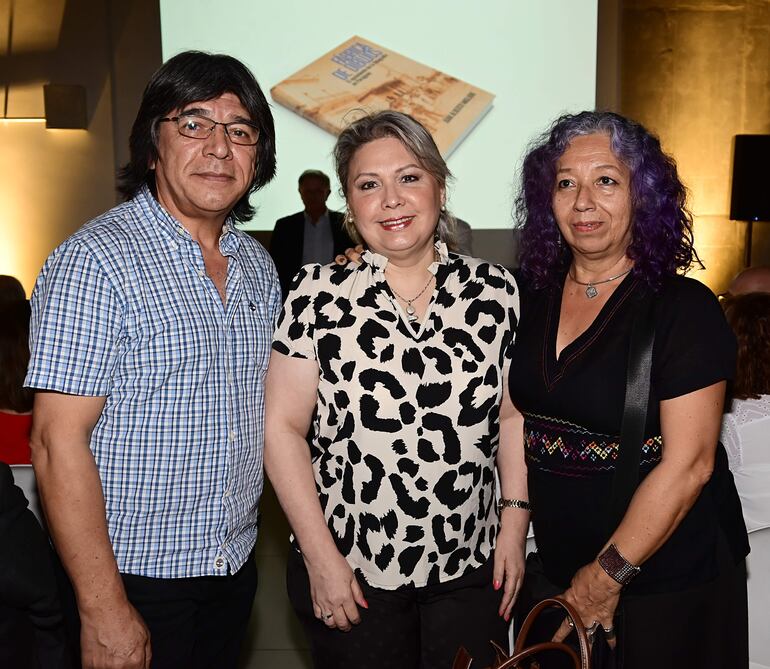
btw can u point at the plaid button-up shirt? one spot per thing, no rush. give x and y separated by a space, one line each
124 309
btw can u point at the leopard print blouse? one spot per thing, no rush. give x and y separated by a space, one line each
406 428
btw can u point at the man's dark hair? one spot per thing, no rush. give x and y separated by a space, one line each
195 76
315 174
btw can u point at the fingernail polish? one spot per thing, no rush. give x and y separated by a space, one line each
507 617
497 585
366 604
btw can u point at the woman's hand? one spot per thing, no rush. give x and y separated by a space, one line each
508 572
595 595
335 592
290 399
351 255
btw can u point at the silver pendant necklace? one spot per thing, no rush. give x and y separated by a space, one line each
411 315
591 291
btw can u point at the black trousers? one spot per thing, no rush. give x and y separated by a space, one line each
703 627
194 623
407 628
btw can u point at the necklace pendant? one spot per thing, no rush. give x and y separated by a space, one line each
411 315
591 292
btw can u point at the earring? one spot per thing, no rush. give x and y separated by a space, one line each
349 217
443 208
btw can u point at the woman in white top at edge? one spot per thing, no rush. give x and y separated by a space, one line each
746 425
398 366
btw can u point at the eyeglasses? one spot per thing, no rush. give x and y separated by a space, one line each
201 127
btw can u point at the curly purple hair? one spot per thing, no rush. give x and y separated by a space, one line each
661 237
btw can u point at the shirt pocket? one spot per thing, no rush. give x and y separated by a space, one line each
251 334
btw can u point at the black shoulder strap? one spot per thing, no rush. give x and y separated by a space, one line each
634 412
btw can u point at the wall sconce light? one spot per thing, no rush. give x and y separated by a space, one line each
30 31
65 106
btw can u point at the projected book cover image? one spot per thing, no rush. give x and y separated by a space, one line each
359 74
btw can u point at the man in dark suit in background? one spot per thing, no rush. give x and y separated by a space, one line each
313 235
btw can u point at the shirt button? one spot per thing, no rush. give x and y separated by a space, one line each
201 273
227 492
219 562
180 230
232 436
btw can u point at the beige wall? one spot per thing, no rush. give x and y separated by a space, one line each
697 73
53 181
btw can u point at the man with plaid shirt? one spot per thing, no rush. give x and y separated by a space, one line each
151 333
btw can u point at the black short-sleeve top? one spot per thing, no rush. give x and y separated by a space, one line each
573 408
406 428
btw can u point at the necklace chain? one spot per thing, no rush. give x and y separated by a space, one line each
591 291
410 312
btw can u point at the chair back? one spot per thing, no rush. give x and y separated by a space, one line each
24 477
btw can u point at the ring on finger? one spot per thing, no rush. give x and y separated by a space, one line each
591 629
326 616
609 632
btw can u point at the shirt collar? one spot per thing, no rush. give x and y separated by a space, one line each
379 262
229 241
322 218
173 230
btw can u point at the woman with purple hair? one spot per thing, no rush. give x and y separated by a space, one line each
606 236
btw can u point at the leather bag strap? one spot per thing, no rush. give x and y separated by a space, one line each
580 661
520 652
462 660
638 374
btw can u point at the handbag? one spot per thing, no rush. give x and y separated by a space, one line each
522 652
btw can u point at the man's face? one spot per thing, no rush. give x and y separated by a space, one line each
200 180
314 193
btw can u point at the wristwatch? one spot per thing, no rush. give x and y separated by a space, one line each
616 566
503 503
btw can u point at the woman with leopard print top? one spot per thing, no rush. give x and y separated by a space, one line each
398 368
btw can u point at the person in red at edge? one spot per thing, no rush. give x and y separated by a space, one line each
15 400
